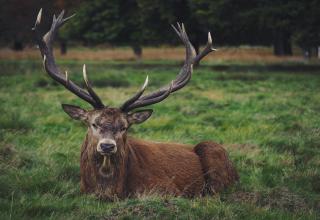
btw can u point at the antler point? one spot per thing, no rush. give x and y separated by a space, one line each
67 76
61 14
178 24
38 20
84 71
145 84
209 38
183 28
44 60
71 16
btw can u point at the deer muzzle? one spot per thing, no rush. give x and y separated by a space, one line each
107 146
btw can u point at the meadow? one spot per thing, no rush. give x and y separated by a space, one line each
267 117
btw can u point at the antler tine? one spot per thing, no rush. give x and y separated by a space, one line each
142 103
45 45
38 20
209 48
67 76
89 88
181 80
136 96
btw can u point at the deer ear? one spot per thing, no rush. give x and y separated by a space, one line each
75 112
139 116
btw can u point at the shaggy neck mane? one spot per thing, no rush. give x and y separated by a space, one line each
105 177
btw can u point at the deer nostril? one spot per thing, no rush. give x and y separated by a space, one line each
107 147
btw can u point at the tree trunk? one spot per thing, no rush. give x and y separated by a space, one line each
315 51
307 53
137 50
63 47
17 45
311 52
282 43
287 44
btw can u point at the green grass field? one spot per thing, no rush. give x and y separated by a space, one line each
269 121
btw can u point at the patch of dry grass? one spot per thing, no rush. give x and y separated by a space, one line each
224 54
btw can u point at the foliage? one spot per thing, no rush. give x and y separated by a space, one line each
268 121
158 15
107 21
264 22
280 23
133 23
308 29
17 19
231 21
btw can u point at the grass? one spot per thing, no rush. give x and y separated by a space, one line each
268 121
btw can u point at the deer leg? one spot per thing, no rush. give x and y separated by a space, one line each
218 170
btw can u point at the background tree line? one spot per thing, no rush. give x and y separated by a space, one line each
137 23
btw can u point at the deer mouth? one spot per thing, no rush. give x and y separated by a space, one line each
105 169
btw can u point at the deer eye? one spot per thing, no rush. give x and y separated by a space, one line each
122 129
94 125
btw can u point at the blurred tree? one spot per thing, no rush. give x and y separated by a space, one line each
232 22
307 34
18 17
157 16
142 22
68 5
262 22
279 17
16 20
134 22
112 21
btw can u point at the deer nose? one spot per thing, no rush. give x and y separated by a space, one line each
107 147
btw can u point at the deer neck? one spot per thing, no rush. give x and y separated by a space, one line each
103 175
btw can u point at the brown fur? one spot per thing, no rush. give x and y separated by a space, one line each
143 167
216 166
149 167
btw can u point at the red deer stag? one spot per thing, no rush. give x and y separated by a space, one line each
114 165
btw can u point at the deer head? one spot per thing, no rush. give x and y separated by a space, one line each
107 126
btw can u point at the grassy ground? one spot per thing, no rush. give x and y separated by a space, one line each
268 121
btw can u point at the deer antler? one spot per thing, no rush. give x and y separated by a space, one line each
181 80
45 45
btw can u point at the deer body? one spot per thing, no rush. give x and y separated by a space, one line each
147 167
114 165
